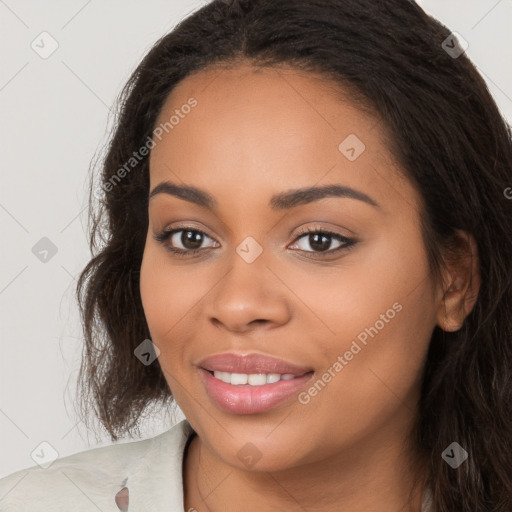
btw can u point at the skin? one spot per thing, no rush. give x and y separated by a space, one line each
255 133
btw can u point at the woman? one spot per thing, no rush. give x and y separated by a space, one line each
307 247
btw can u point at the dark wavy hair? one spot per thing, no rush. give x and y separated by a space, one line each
449 137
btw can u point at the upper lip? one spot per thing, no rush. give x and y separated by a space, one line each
250 363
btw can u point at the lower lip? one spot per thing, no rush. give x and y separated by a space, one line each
247 399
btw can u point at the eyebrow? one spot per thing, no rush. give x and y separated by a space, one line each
282 201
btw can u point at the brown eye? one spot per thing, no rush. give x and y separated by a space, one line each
183 240
320 241
188 239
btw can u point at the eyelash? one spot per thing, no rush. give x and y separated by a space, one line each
163 236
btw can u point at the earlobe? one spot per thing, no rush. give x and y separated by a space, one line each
462 285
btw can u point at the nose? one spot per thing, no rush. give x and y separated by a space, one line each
249 296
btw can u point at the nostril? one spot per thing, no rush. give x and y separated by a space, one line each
122 499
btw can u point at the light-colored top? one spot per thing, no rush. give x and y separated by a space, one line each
149 471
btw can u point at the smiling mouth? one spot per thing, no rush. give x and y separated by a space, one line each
246 393
253 379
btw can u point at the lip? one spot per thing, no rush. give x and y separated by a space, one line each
244 398
250 363
247 399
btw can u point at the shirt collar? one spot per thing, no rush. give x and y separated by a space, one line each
156 482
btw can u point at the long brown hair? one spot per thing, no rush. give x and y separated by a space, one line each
453 144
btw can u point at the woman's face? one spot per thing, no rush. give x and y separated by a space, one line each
352 306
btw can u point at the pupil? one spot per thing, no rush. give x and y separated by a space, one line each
319 245
191 239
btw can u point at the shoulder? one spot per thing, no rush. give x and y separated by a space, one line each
89 480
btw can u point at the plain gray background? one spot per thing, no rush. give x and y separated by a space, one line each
55 116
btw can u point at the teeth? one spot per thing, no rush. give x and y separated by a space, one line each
256 379
253 379
273 377
238 378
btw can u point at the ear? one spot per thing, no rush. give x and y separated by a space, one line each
461 284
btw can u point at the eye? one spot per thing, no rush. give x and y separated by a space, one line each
189 237
320 240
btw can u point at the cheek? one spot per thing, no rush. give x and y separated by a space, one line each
173 300
154 293
381 315
164 297
388 274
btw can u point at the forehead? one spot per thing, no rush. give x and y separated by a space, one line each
268 129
